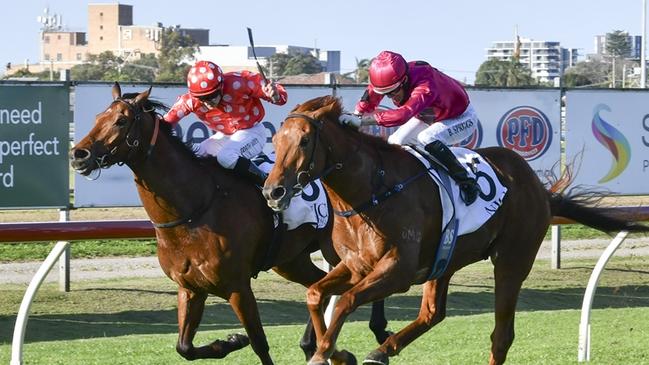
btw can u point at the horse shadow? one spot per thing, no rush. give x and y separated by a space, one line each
463 300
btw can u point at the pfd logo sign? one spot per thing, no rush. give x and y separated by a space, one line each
525 130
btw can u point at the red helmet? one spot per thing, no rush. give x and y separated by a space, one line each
204 78
387 71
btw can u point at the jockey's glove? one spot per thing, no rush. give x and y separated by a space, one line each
351 120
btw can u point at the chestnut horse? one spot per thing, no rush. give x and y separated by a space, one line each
391 245
214 229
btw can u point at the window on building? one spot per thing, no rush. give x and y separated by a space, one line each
59 57
101 14
46 39
101 27
58 36
127 34
46 56
101 38
78 56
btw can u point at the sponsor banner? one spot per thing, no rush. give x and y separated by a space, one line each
115 186
607 139
34 138
526 121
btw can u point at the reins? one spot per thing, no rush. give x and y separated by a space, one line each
374 200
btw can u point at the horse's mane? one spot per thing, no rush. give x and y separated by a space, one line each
332 115
158 108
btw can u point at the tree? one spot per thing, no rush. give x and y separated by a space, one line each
500 73
297 64
618 46
361 73
142 70
277 64
176 49
101 67
587 73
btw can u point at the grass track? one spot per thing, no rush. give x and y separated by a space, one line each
133 321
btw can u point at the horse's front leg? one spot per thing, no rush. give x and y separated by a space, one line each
337 281
244 304
190 311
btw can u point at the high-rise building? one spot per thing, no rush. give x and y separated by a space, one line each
546 59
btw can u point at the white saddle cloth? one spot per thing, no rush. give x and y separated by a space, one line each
490 199
309 207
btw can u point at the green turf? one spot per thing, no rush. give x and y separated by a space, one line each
133 321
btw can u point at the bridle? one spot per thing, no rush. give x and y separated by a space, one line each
131 141
318 125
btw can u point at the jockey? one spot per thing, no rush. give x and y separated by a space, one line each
230 105
433 110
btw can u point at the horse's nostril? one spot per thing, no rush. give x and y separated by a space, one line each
80 154
278 193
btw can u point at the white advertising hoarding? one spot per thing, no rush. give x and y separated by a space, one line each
527 121
607 139
115 186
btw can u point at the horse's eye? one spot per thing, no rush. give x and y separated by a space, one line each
304 142
121 122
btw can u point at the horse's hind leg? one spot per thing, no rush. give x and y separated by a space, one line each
190 312
245 307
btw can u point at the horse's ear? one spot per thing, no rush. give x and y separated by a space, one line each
117 91
143 96
331 109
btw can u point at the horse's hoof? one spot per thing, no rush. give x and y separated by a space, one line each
237 341
344 357
377 357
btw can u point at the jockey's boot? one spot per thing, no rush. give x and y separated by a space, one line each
469 187
244 167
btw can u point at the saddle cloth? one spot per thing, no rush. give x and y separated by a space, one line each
489 200
309 207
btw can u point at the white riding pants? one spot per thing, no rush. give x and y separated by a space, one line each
450 131
227 149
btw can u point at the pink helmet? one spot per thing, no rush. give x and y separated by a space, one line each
204 78
387 71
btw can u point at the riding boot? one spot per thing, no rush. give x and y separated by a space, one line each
244 167
469 187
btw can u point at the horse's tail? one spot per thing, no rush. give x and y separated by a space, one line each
583 208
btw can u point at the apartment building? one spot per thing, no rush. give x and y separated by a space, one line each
110 28
546 59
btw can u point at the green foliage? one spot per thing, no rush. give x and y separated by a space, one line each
297 64
587 73
176 48
617 43
499 73
43 75
361 73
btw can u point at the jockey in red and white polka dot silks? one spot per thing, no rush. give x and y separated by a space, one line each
230 105
433 110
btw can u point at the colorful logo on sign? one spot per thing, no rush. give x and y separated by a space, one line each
613 140
474 140
525 130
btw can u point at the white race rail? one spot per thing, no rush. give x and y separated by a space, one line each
25 305
584 324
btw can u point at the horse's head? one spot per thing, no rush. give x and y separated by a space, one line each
301 155
121 133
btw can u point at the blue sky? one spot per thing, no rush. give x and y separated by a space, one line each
451 35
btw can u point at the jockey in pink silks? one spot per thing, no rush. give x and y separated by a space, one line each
433 110
230 105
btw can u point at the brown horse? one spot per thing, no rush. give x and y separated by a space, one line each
213 228
390 246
